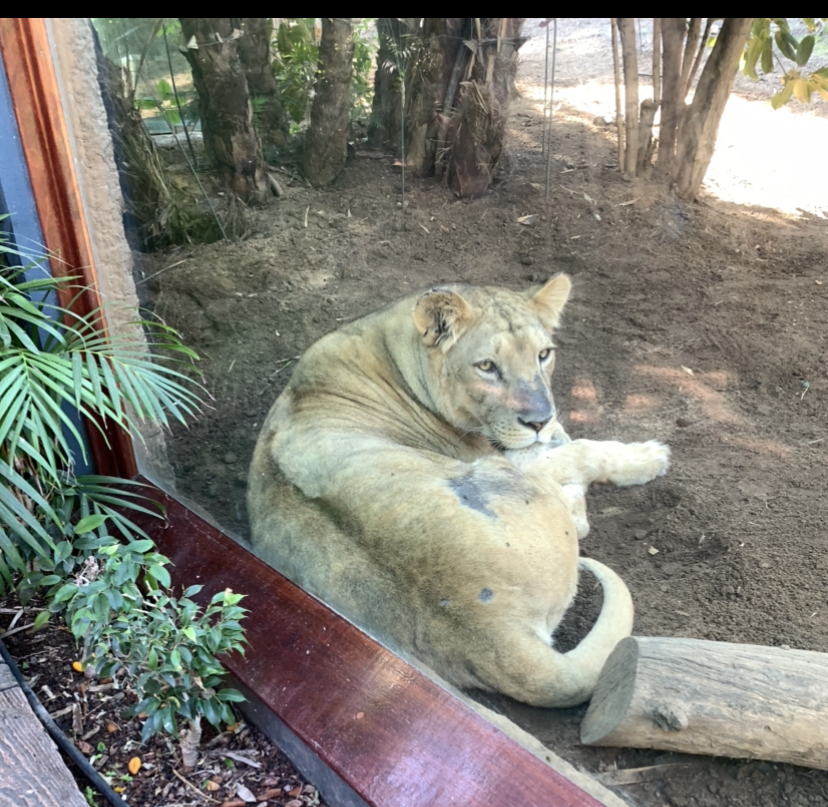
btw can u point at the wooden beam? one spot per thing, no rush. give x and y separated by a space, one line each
31 769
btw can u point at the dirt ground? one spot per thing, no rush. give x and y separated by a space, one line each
702 325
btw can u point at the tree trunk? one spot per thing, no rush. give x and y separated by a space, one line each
691 46
699 55
477 134
700 123
672 37
326 142
646 145
429 97
657 60
626 27
255 55
458 105
224 103
619 116
190 739
701 697
397 38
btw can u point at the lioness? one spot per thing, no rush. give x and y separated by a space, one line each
411 476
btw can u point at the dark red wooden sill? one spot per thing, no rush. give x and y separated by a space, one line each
389 733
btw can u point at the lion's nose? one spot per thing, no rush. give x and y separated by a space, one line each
535 425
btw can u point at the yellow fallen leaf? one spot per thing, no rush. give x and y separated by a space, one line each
211 785
77 666
134 765
119 789
111 727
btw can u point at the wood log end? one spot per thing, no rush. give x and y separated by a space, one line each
613 693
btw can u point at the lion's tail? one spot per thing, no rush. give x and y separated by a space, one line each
584 662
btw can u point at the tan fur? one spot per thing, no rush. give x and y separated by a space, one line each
411 475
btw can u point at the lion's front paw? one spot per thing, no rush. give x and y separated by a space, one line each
637 463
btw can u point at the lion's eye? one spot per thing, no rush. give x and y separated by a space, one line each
545 353
487 366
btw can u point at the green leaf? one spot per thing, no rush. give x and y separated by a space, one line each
190 633
781 98
19 520
164 89
802 90
142 546
115 598
767 56
230 695
787 44
65 593
160 574
211 709
101 607
16 480
40 620
168 721
803 52
150 728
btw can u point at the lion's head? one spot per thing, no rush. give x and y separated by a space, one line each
491 356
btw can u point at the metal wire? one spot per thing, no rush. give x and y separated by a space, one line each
551 100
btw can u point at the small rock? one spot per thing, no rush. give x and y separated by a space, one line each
230 457
683 423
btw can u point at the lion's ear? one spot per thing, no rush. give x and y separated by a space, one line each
441 316
550 299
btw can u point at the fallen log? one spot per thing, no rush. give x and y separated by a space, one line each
716 698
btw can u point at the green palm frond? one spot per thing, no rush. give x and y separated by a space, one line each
110 496
18 499
52 362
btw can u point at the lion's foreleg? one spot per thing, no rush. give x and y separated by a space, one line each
582 462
